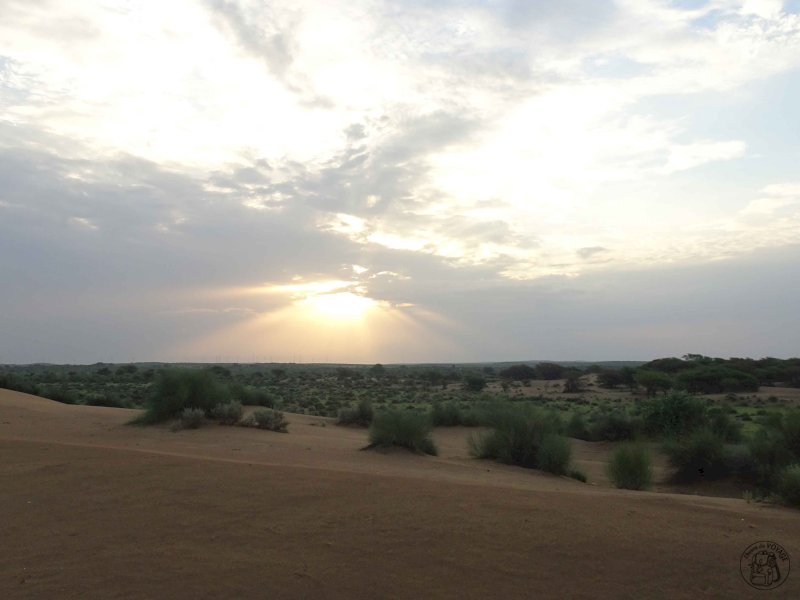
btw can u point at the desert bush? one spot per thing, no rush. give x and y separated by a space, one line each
741 463
59 394
177 389
406 429
722 424
362 414
614 426
554 454
515 437
576 427
190 418
267 418
675 414
228 413
252 396
579 475
698 456
446 414
631 467
108 400
788 487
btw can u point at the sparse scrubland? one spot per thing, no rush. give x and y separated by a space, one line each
713 419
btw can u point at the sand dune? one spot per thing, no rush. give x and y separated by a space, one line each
94 508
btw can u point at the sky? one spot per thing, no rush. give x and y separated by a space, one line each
398 180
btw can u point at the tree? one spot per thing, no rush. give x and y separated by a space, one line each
549 371
474 383
653 381
519 373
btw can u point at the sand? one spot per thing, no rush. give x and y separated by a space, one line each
93 508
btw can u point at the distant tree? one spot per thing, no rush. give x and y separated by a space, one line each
610 378
572 385
377 370
519 373
550 371
653 381
474 383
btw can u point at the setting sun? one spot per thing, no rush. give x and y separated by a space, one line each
341 305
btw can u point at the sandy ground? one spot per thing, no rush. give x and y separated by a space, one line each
93 508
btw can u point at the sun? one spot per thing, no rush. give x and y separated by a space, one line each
340 305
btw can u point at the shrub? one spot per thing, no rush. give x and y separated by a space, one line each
613 427
698 456
177 389
105 400
361 415
631 467
406 429
228 413
740 462
675 414
446 414
554 454
191 418
722 424
252 396
59 394
576 427
267 418
575 474
474 383
515 438
789 485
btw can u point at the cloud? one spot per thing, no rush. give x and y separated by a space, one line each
158 160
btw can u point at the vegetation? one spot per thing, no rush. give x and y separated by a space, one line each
698 456
526 438
361 415
229 413
178 389
674 414
693 405
405 429
631 467
789 485
190 418
267 418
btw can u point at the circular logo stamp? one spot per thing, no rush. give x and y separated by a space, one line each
764 565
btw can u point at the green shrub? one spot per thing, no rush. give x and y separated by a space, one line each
59 394
789 485
631 467
580 476
105 400
722 424
675 414
227 414
446 414
613 427
516 436
190 418
698 456
406 429
576 427
177 389
267 418
252 396
554 454
741 463
362 414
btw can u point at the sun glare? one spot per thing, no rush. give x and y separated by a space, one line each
340 305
